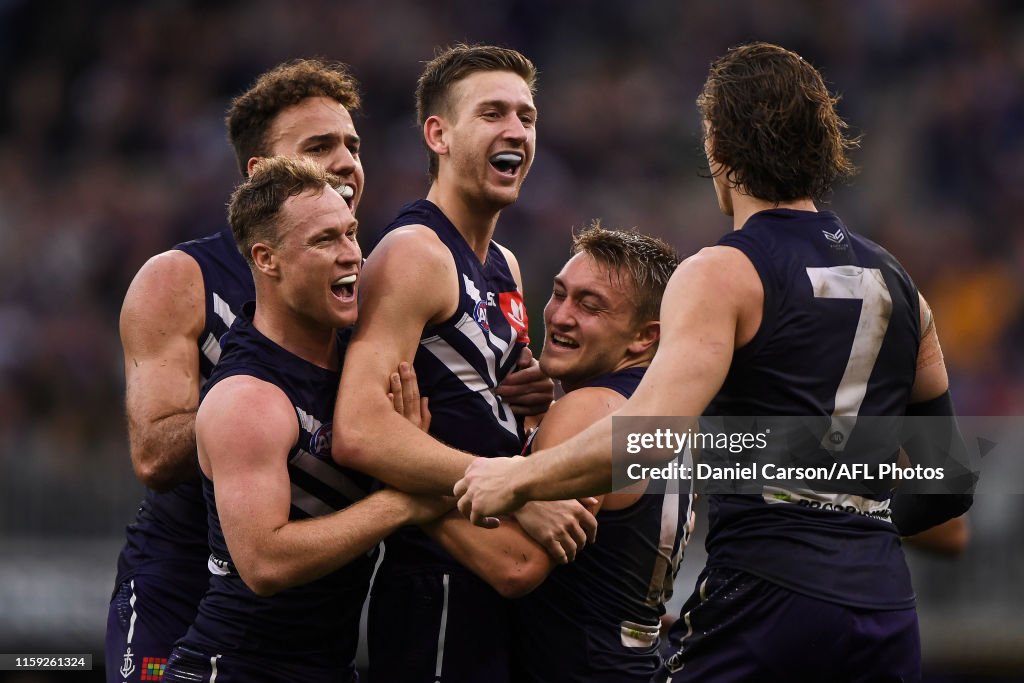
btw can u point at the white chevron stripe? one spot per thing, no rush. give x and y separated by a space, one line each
308 503
468 375
211 349
503 346
323 472
308 422
469 329
221 308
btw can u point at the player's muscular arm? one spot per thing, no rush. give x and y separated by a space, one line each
568 417
506 558
161 320
711 305
933 439
931 379
245 429
573 413
408 283
564 527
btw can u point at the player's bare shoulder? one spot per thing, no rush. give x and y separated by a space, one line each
244 400
574 412
243 414
722 279
411 264
166 297
723 265
417 244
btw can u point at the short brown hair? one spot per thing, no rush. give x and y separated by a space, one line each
451 65
256 203
647 261
253 112
774 124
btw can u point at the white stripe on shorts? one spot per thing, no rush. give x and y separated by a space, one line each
441 632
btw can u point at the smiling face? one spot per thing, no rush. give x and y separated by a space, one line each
590 323
321 128
318 258
488 136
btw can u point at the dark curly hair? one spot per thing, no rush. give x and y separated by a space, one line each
253 112
451 65
773 124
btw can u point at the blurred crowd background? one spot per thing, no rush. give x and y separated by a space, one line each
112 148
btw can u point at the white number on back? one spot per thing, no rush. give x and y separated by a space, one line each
868 285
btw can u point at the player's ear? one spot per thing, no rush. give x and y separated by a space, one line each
265 258
251 164
435 134
645 338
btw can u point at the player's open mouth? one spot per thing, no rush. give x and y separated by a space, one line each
507 163
563 342
347 193
344 288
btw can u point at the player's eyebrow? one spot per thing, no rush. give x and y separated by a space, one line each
583 293
506 104
589 293
322 137
330 138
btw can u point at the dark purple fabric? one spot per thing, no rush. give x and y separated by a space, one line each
737 627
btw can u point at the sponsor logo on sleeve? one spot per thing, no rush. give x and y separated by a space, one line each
514 309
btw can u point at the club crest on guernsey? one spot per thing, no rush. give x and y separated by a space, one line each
480 316
480 309
320 441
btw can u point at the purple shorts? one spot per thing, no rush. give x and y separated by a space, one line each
147 615
429 624
189 666
737 627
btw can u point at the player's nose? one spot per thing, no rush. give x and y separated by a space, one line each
351 253
515 130
559 315
343 162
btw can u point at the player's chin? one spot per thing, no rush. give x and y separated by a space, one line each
556 363
503 195
344 313
547 366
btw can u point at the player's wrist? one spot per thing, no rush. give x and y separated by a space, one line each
394 504
522 481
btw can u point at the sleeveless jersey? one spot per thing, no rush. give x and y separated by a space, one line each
598 617
168 537
839 338
460 362
319 621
